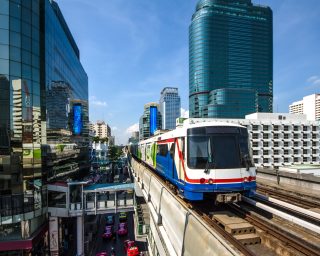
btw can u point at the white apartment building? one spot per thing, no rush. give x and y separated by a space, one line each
102 130
279 139
309 105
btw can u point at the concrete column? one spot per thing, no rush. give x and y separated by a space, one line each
80 239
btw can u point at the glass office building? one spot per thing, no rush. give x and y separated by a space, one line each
150 121
170 107
230 59
37 53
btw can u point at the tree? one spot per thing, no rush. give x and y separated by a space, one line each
114 153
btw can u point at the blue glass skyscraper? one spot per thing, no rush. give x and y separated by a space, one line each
230 59
170 106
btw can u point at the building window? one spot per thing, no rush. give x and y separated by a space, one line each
305 136
296 159
286 136
286 160
255 136
305 128
276 144
266 152
286 128
296 128
266 144
265 127
286 144
276 152
276 160
305 159
255 128
296 152
296 136
305 144
286 152
255 152
265 160
276 136
265 136
255 144
276 128
305 151
296 144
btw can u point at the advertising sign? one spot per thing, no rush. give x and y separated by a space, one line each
53 233
153 119
77 119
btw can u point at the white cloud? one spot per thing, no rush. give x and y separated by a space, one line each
94 101
184 113
133 128
312 79
114 128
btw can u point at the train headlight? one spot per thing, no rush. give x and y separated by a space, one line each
210 181
245 179
202 180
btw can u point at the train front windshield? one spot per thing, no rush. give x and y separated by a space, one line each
217 148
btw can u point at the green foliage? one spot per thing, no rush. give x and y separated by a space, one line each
114 153
102 140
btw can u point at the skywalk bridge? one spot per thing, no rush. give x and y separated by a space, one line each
76 199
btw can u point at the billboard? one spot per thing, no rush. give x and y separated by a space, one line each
77 119
153 119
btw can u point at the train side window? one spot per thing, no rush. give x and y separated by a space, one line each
172 150
162 150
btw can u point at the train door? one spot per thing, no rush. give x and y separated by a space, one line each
172 161
180 156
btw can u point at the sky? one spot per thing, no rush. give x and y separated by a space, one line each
132 49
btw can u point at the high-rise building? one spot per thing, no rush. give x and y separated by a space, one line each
150 121
230 59
40 73
102 130
170 107
309 105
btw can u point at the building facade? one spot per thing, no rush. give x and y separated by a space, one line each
150 121
40 73
230 59
309 105
102 130
280 139
170 107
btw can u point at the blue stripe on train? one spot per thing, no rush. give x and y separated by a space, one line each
167 168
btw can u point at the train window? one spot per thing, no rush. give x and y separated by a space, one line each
162 150
172 150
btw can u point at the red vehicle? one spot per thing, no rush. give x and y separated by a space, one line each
101 254
108 232
130 248
123 229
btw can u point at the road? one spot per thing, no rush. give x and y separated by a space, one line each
106 245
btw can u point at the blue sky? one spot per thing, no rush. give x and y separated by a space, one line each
132 49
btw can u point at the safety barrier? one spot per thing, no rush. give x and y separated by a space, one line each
174 228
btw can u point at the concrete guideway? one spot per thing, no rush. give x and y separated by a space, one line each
175 228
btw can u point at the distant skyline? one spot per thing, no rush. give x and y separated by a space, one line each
131 50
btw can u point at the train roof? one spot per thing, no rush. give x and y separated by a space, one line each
187 124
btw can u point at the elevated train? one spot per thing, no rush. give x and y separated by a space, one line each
202 159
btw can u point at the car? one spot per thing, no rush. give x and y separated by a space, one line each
122 229
133 251
108 232
127 244
122 217
101 254
109 220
